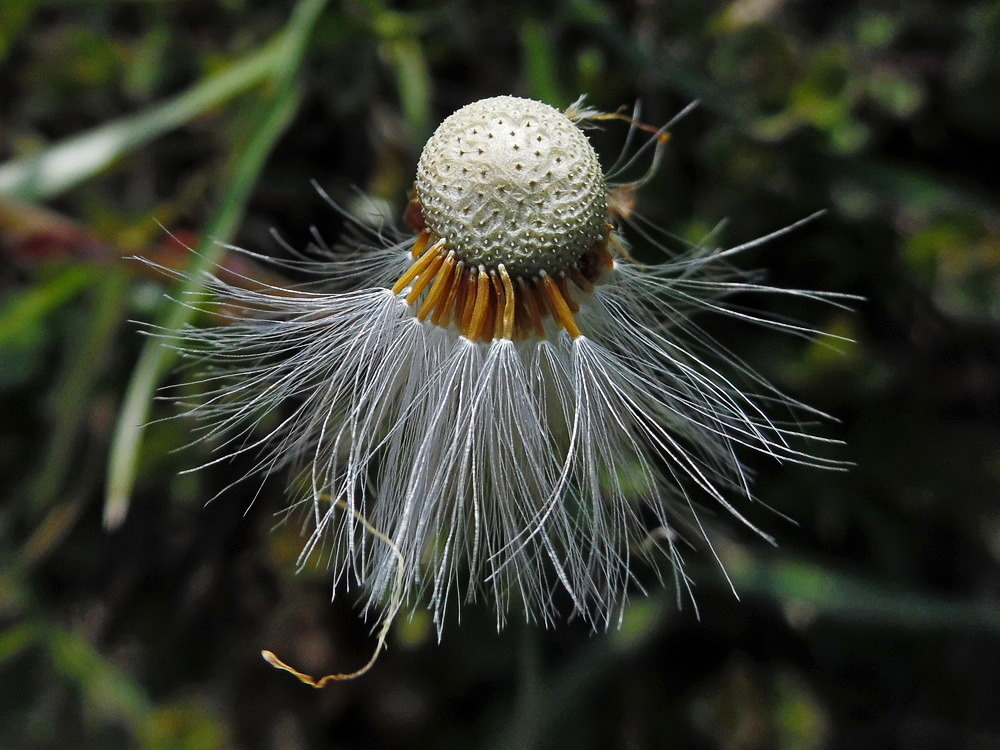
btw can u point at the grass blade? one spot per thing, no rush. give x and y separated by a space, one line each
67 164
274 115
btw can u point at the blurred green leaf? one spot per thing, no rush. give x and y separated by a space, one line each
801 723
64 165
917 188
816 590
401 46
106 690
540 64
275 112
183 727
643 618
14 19
20 313
896 92
876 29
15 639
149 61
72 393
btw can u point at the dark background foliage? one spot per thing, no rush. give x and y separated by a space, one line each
874 623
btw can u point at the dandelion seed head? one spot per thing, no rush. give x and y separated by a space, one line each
504 404
512 212
512 181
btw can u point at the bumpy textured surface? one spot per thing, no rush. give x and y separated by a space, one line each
512 181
